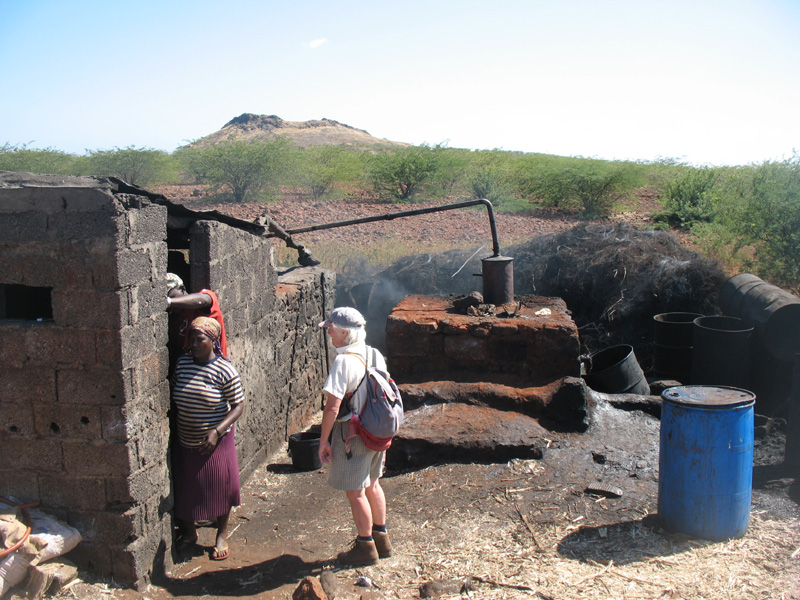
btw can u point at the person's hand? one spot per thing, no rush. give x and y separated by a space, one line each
325 452
211 441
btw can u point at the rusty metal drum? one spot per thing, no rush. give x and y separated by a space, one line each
773 311
721 354
673 336
615 370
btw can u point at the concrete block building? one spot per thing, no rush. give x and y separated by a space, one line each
84 397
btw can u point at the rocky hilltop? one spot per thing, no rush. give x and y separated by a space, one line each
249 126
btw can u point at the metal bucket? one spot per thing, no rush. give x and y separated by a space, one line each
673 334
721 354
774 312
615 370
706 461
304 450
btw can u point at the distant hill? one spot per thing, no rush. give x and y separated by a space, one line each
303 133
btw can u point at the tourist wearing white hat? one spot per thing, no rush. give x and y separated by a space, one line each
358 472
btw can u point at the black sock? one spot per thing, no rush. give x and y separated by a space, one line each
365 538
379 528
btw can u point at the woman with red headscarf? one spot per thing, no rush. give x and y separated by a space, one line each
208 397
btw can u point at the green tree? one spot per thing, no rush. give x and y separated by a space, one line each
452 171
137 166
48 160
489 176
535 177
242 168
319 168
762 208
193 163
591 185
690 199
400 173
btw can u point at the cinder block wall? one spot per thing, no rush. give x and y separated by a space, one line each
274 339
84 397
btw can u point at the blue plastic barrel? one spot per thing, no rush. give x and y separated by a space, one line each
706 461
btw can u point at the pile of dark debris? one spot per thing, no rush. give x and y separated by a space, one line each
614 279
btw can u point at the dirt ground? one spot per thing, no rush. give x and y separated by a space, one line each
469 226
518 529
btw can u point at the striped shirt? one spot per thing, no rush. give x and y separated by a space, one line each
203 395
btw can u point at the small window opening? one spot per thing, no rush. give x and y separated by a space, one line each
178 255
25 302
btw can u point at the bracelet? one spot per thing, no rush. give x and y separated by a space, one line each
218 433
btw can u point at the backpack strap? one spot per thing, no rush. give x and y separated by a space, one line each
361 358
371 358
346 399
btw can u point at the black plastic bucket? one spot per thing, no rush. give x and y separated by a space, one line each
673 334
304 450
721 354
615 370
774 312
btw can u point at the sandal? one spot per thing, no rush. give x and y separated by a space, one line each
220 553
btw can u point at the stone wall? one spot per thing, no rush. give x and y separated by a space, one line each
83 395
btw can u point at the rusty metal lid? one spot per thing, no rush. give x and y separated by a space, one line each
708 396
498 259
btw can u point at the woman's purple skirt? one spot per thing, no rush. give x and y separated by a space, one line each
206 486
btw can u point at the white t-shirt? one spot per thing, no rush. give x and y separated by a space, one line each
348 370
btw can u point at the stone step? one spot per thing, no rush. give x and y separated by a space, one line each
560 405
462 433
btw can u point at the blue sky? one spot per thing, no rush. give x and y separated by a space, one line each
703 81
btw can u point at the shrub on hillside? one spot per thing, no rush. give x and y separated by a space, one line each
137 166
399 173
240 169
48 160
761 209
689 200
319 168
589 187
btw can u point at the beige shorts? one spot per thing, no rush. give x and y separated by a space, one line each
358 471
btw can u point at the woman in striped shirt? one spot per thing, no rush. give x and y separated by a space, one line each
208 397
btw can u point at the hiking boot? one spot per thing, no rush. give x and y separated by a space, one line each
382 544
361 554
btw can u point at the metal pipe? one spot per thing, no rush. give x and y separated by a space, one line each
410 213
